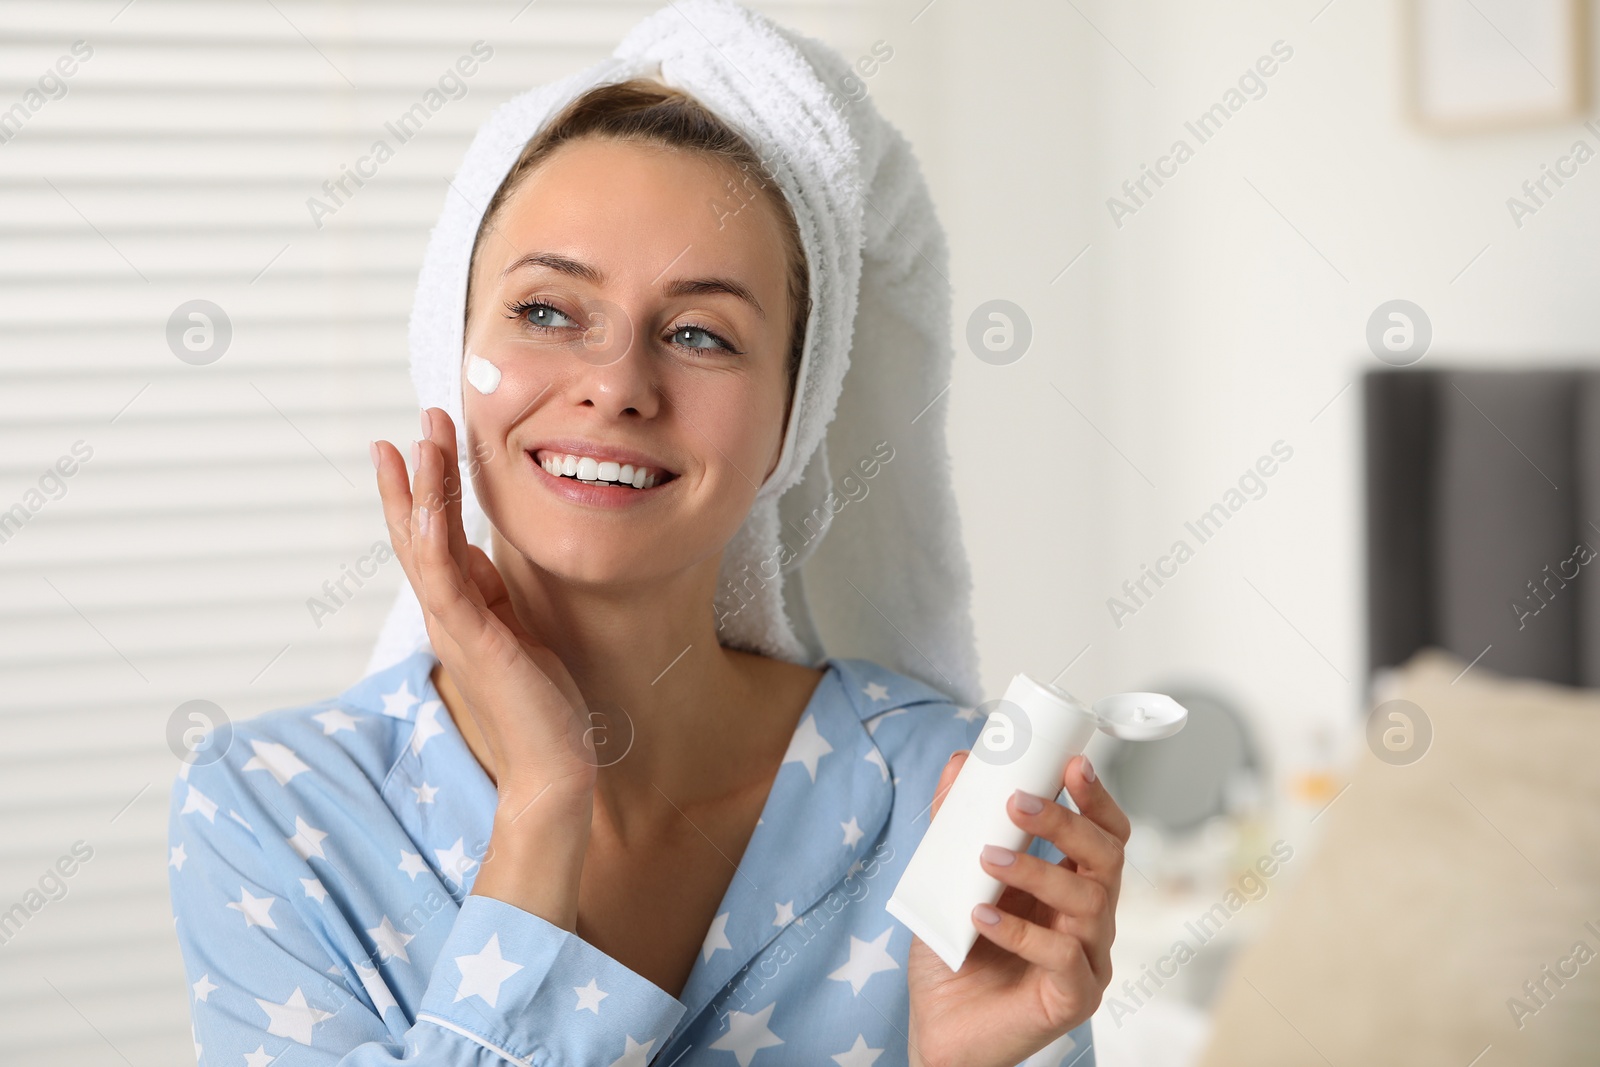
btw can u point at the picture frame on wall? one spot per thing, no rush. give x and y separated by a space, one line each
1482 65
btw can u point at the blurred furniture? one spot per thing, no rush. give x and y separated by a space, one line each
1481 486
1448 914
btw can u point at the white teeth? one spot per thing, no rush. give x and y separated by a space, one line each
600 472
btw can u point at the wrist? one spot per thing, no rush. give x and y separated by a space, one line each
535 865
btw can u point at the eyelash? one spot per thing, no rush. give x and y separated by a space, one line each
518 309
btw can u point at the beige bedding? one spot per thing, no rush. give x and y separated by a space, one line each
1438 890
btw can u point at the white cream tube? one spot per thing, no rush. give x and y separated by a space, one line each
1026 743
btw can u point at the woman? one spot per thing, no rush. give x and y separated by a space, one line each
575 822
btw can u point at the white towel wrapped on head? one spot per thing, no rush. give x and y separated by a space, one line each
874 566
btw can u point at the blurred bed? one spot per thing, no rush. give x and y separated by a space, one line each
1449 913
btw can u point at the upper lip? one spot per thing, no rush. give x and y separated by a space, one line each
574 446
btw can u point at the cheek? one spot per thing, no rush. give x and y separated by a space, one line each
496 394
497 390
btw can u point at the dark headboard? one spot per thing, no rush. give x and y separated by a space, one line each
1480 482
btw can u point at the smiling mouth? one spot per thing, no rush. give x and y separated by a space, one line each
590 471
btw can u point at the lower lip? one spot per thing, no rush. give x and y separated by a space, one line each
605 496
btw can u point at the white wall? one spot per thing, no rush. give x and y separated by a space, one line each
1205 328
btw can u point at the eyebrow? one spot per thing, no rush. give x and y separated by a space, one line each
678 287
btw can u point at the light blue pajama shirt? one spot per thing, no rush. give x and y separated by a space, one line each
321 874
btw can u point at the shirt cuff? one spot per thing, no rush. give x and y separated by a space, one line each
529 990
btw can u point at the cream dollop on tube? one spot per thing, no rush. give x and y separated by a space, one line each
484 376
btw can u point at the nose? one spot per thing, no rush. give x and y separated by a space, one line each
613 366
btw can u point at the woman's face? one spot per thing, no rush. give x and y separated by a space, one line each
626 306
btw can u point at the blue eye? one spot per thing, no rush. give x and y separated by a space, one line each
694 336
540 315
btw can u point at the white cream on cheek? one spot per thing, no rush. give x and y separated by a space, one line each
483 375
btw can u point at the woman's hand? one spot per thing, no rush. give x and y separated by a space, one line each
1041 970
521 697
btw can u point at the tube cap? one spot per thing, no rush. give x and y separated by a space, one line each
1140 716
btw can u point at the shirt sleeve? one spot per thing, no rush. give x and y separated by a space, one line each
269 979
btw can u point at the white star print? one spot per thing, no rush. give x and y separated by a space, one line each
747 1034
257 911
867 958
177 858
858 1055
398 704
377 989
314 889
277 760
482 974
455 863
852 832
716 937
203 988
785 914
411 863
634 1055
876 757
198 801
807 746
259 1058
391 942
427 725
294 1018
876 691
236 817
966 714
333 720
307 840
425 792
589 996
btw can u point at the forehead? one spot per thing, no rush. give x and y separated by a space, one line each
636 209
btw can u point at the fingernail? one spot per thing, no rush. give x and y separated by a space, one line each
415 461
1088 770
953 755
1002 857
423 521
427 423
372 446
1027 803
986 913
